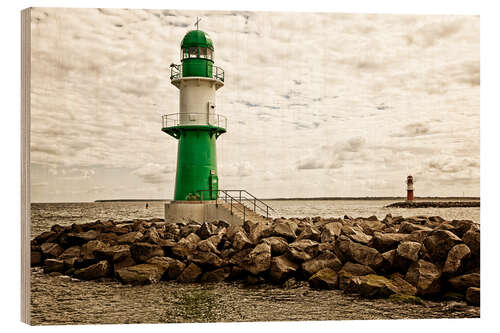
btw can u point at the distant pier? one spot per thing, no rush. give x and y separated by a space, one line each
434 204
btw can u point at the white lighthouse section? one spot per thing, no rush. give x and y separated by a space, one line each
197 101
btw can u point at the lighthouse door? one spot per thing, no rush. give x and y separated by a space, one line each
214 186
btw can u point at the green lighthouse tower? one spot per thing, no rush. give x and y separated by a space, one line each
197 125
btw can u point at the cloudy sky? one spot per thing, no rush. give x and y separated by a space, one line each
318 104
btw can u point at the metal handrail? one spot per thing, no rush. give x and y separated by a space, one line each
217 72
239 199
176 119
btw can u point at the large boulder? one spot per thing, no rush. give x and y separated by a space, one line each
455 259
54 265
282 268
186 246
152 236
259 230
114 253
88 250
356 234
141 252
406 254
206 259
241 241
189 274
463 282
217 275
473 296
359 253
331 231
286 229
303 250
36 258
172 267
370 226
95 271
71 252
439 243
408 228
460 227
372 286
388 261
325 278
79 238
425 276
206 230
387 241
140 274
258 260
46 237
51 250
131 237
472 239
279 245
404 287
350 270
325 259
310 232
209 245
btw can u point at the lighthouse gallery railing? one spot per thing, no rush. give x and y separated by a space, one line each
211 71
180 119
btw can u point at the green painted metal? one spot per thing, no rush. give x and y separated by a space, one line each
196 163
197 38
192 63
197 67
196 152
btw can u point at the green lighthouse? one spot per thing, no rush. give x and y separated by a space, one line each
197 125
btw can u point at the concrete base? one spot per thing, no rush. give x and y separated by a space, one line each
199 211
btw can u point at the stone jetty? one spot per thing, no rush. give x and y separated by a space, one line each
404 259
434 204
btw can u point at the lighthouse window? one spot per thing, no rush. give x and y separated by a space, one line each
203 52
193 52
210 54
185 53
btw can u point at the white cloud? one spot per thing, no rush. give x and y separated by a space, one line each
302 92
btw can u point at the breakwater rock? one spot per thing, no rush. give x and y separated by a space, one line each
397 258
434 204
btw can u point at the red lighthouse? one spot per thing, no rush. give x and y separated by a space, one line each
409 188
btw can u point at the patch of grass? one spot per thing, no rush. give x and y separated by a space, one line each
406 299
197 306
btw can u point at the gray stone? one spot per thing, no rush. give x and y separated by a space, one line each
463 282
129 238
173 267
217 275
439 243
325 278
331 231
101 269
190 274
303 250
455 258
278 245
140 274
387 241
51 250
258 260
282 268
326 259
473 296
425 276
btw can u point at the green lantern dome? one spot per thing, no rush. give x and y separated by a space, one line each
197 38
